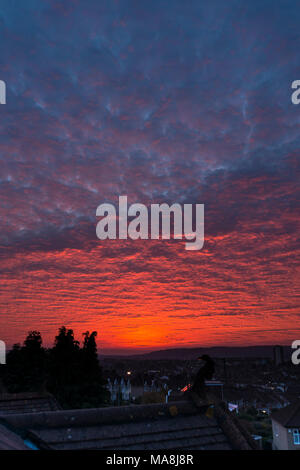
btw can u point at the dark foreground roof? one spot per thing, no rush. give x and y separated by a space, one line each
10 441
26 403
289 416
181 425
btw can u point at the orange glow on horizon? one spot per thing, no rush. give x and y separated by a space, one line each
141 302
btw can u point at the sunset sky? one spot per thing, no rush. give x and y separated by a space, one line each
162 101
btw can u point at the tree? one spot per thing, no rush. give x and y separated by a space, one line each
93 383
72 374
65 343
64 367
76 376
26 365
90 357
33 342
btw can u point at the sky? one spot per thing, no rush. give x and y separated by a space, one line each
162 101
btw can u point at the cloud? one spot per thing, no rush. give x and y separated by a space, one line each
182 103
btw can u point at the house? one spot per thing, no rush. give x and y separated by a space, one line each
120 390
262 399
286 427
143 386
181 426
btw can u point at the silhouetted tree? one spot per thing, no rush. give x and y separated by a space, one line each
92 384
90 357
34 357
76 376
26 365
64 365
33 342
71 373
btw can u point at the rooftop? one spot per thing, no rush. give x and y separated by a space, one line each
289 416
10 441
16 403
182 426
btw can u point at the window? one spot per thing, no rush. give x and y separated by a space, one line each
296 436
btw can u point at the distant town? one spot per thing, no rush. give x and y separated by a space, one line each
253 382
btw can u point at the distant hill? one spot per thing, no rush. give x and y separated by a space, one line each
192 353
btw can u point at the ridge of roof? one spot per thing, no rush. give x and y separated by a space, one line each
5 396
105 415
19 403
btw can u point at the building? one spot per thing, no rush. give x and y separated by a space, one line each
215 387
263 399
122 390
182 426
119 389
286 427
